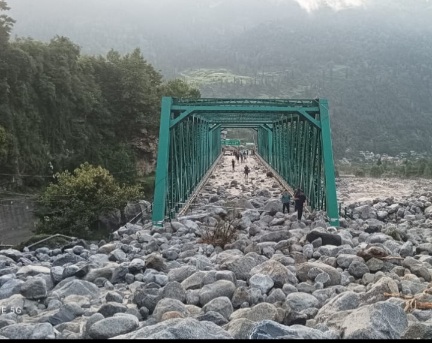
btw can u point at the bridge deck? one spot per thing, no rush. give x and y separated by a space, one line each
223 175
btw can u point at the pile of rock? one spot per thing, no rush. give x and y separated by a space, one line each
281 278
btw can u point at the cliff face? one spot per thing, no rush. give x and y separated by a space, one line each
146 147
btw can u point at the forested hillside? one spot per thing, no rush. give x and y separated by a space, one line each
372 62
60 108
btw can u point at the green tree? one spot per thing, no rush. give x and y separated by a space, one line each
3 144
6 23
178 88
427 172
376 171
74 203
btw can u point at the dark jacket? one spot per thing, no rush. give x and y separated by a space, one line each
300 199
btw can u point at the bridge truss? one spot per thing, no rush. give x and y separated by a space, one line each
294 138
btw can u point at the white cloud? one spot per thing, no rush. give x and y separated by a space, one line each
337 5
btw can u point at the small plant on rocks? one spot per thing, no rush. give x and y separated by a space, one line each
223 233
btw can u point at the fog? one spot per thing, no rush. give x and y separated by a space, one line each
371 58
99 25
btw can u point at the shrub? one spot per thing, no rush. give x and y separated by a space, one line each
376 171
148 184
359 173
224 233
74 203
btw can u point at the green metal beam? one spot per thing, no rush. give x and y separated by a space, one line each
159 202
310 118
216 126
332 206
182 116
249 109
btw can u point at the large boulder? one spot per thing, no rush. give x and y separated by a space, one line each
304 268
268 329
78 287
257 313
382 320
113 326
179 328
220 288
277 272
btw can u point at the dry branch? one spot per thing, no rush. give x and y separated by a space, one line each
411 303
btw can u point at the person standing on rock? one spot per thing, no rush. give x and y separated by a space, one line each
300 199
233 163
246 171
286 198
296 193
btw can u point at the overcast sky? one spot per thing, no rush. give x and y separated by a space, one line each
311 5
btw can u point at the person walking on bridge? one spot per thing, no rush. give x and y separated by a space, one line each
286 198
300 199
296 193
246 171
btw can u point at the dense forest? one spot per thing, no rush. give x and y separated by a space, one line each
60 108
372 62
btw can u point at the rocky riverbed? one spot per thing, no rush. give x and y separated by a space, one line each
280 278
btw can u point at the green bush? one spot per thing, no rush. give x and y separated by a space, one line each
74 203
359 173
147 184
376 171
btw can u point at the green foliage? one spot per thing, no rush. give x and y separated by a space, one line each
376 171
147 185
4 142
407 169
359 173
373 64
179 89
6 23
74 203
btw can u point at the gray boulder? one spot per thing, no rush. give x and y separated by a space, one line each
34 289
220 305
299 301
78 287
269 329
277 272
382 320
240 328
113 326
167 305
304 268
179 328
220 288
28 331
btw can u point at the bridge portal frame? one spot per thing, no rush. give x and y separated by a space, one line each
294 138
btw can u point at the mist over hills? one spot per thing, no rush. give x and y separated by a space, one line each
370 58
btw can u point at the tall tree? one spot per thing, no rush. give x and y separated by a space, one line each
6 23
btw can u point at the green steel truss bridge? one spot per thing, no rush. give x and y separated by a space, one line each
294 139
